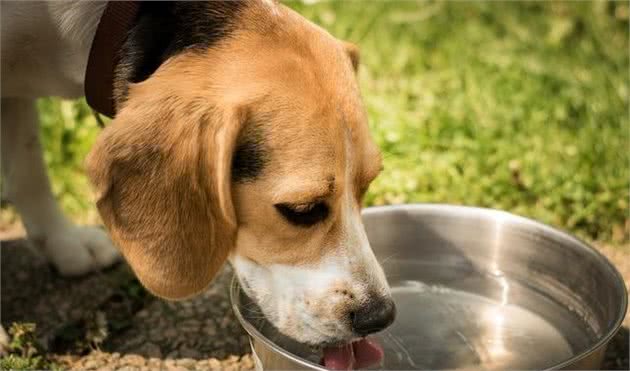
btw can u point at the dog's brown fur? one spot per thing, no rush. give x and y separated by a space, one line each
162 168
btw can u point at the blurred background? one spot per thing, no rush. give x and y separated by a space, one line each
520 106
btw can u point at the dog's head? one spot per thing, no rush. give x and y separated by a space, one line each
255 149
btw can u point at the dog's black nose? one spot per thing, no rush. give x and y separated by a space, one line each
376 315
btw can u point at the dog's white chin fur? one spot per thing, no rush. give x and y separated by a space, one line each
299 301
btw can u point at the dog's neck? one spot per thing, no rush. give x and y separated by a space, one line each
165 29
134 39
55 65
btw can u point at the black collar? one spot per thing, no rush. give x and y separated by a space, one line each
114 25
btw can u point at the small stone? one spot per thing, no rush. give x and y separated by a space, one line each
169 363
92 364
189 353
202 364
154 363
161 323
177 343
133 360
170 333
128 368
194 323
186 362
150 350
135 341
186 304
214 364
225 322
155 334
210 330
247 362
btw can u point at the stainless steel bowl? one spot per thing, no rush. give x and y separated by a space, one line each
476 288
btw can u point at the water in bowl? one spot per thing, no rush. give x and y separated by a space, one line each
442 327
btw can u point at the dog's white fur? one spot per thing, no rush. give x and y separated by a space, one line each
286 293
45 46
44 52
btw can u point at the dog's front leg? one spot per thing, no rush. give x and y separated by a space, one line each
73 250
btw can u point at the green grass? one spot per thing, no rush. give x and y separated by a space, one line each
517 106
23 351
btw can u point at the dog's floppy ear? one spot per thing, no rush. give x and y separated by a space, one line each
161 170
353 53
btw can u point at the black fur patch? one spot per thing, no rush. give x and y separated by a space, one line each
250 156
166 28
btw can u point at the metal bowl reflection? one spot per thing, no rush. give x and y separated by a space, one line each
475 289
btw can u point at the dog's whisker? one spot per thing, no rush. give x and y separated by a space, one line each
388 258
399 343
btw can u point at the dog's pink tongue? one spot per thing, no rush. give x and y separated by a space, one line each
360 354
339 358
367 352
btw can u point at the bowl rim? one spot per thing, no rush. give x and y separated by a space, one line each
487 212
252 332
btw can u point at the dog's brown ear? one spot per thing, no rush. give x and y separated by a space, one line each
353 53
161 170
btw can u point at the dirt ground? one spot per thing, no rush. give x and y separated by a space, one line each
107 321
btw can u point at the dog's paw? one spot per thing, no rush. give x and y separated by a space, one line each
77 250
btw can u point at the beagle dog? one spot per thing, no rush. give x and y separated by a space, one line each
240 135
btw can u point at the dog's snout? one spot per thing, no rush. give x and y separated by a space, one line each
375 316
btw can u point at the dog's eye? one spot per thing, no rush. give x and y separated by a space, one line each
303 215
